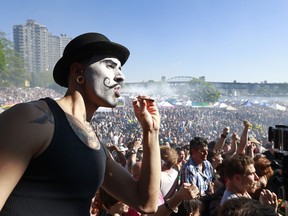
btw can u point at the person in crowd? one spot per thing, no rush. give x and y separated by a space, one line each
259 149
169 175
244 138
134 153
198 170
117 153
215 158
218 147
264 171
170 205
56 163
181 158
187 191
225 147
110 205
191 207
275 182
245 206
240 177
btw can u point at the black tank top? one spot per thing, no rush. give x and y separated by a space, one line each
63 179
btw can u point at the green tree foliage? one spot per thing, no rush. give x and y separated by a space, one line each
12 72
202 91
2 59
3 63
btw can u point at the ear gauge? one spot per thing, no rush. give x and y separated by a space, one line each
80 80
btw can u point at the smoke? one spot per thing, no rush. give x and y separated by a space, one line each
155 90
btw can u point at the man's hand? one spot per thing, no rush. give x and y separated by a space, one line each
226 131
188 191
247 124
146 112
268 198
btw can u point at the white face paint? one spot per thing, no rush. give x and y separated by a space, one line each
103 78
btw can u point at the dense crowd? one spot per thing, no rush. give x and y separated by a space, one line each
119 128
13 95
178 125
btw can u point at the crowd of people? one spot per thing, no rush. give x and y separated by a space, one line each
180 124
14 95
119 129
221 170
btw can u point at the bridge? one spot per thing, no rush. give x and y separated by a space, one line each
180 79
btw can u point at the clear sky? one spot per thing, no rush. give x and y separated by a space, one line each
223 40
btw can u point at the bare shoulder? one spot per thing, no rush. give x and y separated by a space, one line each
25 131
28 126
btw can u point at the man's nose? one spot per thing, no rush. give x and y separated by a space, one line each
119 76
256 177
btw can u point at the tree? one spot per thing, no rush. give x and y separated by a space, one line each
2 59
12 71
3 63
201 91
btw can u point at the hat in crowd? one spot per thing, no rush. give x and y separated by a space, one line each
253 140
85 46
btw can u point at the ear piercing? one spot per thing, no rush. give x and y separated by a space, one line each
80 79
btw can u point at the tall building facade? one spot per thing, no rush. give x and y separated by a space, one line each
56 46
39 49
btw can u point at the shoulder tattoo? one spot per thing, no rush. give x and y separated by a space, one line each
44 118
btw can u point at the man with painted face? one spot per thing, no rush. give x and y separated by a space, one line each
51 160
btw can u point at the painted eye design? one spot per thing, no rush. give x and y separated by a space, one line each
110 66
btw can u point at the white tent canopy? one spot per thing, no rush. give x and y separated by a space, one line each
188 103
278 107
165 104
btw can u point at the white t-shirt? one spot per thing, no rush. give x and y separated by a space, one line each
168 178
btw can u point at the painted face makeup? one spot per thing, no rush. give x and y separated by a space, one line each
106 82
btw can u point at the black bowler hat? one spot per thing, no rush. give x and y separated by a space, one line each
85 46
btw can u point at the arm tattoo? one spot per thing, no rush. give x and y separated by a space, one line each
46 117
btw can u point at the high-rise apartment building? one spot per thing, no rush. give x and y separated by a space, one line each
56 46
31 41
39 48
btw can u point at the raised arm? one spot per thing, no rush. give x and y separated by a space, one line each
142 195
24 132
132 153
187 191
244 138
234 145
219 145
120 156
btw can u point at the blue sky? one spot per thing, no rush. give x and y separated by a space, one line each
223 40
